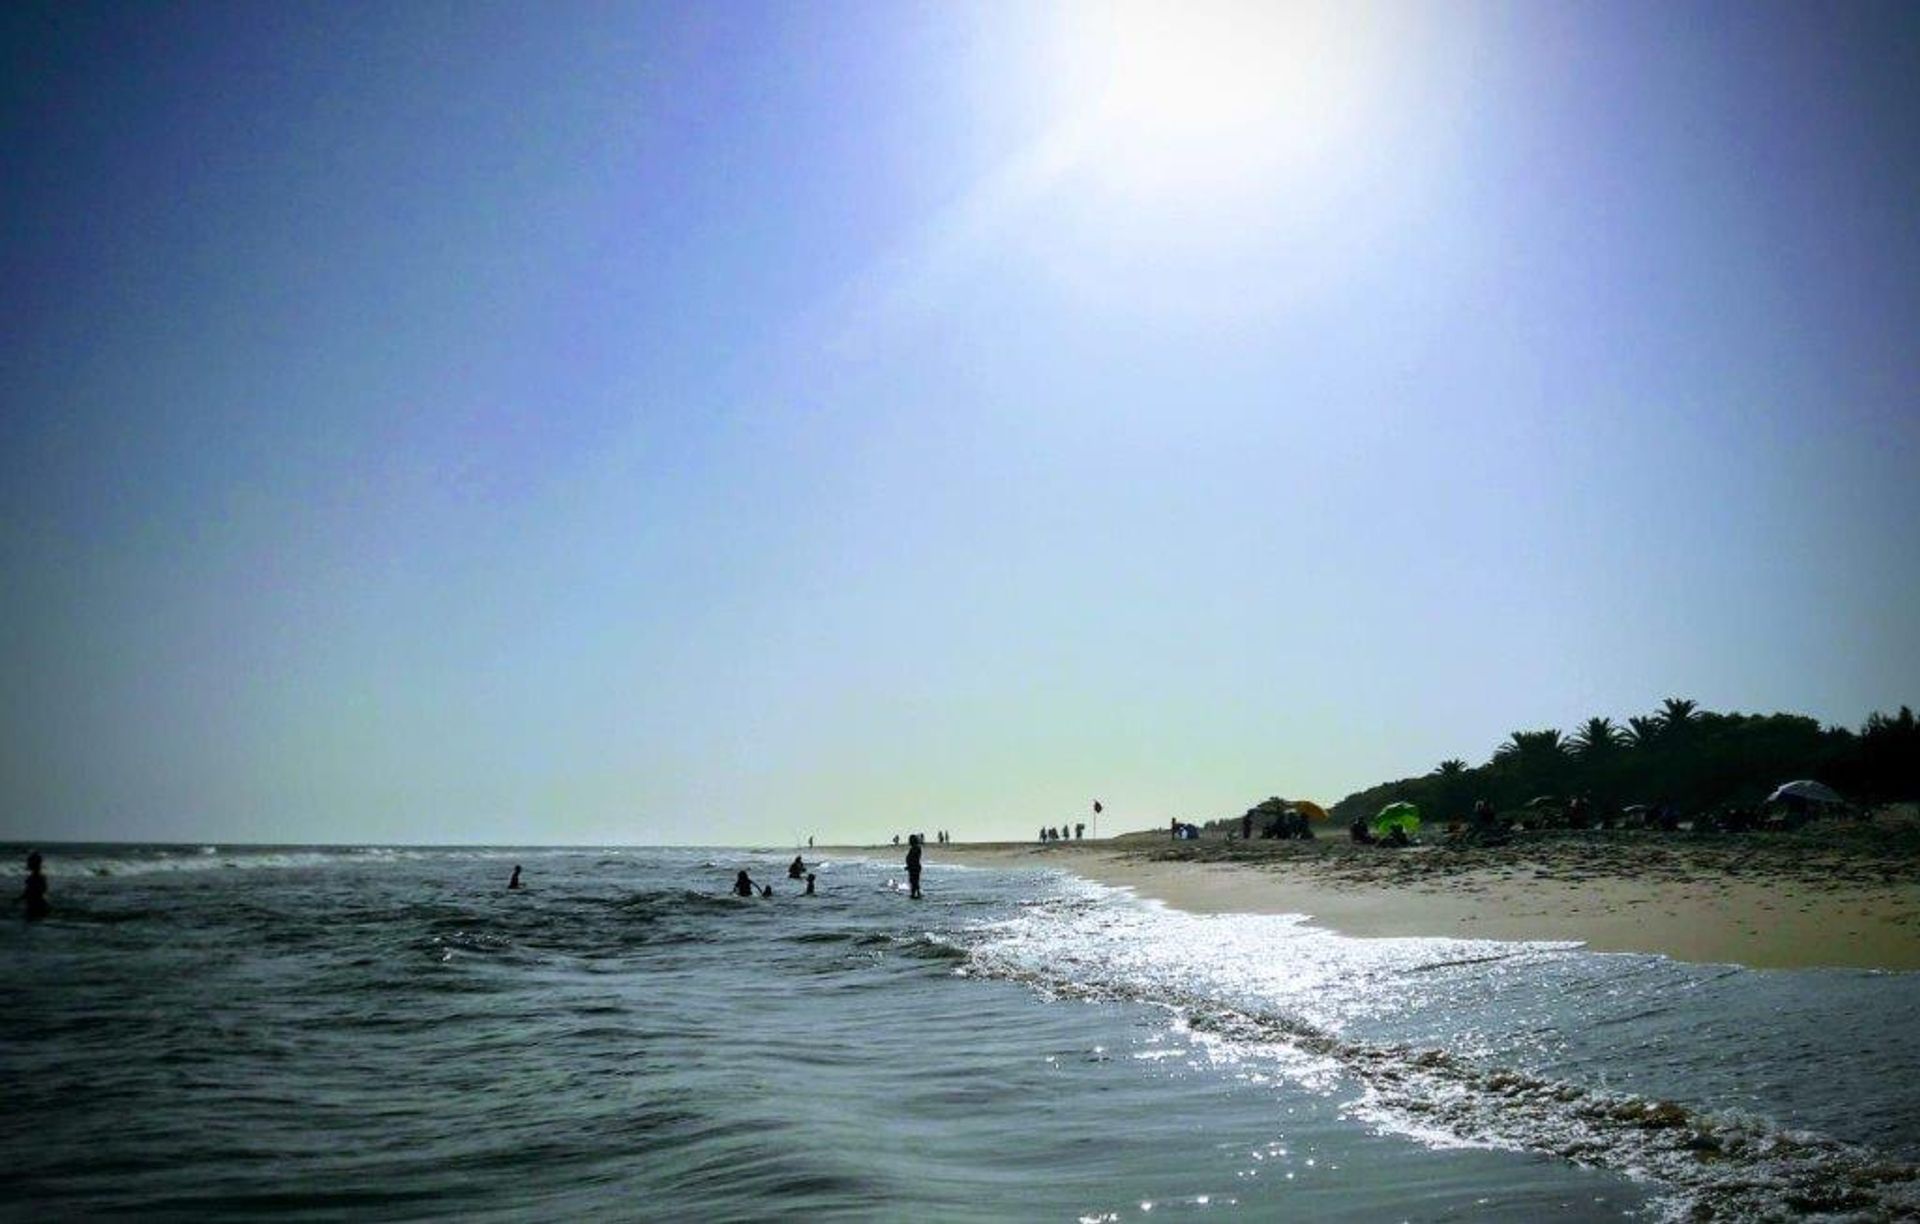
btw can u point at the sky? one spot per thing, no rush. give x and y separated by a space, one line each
728 424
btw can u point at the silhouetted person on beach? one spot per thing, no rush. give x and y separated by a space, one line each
515 881
809 884
913 866
743 885
35 895
796 868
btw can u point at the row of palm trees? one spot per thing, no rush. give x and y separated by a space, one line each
1599 738
1678 754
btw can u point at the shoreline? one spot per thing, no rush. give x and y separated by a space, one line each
1760 902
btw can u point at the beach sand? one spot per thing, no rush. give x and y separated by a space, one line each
1847 898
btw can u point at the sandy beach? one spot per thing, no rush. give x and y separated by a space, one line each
1837 897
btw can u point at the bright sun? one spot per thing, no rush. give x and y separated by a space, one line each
1197 95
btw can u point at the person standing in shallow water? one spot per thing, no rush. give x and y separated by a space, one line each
35 895
913 866
743 885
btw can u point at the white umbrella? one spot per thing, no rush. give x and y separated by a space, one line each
1810 792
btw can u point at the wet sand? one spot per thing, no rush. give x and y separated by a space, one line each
1839 897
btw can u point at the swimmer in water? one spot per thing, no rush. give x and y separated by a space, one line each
809 884
766 890
515 881
743 885
35 895
796 869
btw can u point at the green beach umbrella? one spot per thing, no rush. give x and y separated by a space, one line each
1397 816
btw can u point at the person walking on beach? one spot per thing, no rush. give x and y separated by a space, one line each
35 895
913 866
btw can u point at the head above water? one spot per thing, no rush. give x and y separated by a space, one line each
33 860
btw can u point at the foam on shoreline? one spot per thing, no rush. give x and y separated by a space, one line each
1754 917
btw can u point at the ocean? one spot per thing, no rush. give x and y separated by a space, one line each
382 1033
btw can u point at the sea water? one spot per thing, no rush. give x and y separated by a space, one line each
384 1033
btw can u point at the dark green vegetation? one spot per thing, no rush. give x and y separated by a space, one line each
1693 759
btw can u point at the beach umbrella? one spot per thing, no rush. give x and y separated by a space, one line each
1808 792
1311 810
1397 816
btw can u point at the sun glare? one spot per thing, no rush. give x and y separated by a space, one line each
1198 95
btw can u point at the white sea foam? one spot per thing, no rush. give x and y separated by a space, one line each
1436 1040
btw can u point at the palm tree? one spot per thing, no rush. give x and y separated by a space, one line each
1532 746
1596 737
1677 712
1451 794
1537 760
1642 732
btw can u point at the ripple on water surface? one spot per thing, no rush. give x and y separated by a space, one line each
390 1034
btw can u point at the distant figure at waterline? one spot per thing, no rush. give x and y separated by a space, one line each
35 894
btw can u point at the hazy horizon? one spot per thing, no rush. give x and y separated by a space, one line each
596 424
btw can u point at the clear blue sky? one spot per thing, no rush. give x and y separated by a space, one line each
728 423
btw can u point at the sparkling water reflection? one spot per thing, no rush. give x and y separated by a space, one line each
382 1033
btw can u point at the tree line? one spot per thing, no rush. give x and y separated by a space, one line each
1693 759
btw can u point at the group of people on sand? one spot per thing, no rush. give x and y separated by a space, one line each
1063 833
